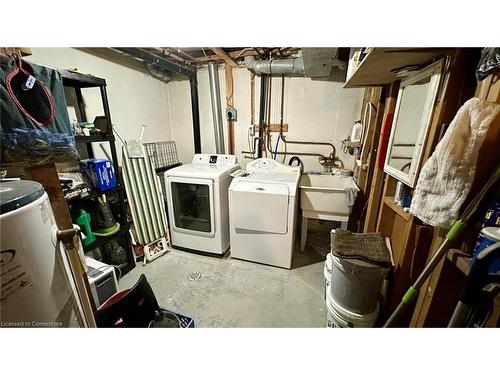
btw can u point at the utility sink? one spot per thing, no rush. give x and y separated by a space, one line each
323 196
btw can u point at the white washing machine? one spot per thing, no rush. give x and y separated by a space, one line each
263 213
198 203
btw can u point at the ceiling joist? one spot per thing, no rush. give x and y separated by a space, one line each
224 56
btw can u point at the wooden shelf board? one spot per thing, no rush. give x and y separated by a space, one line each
460 260
389 201
377 66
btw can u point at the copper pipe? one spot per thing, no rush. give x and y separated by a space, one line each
291 153
310 143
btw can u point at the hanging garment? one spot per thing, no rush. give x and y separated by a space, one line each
446 177
50 112
34 122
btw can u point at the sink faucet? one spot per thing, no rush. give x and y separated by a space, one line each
328 162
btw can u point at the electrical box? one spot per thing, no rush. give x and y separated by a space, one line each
231 113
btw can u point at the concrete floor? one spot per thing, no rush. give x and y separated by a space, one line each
236 293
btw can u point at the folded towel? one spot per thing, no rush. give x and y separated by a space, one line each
446 177
369 247
351 191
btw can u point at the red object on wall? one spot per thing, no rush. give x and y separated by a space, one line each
384 140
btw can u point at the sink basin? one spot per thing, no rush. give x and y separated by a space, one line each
324 197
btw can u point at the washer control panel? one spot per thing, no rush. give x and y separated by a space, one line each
214 159
269 165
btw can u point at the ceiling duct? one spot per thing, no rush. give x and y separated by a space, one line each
318 62
275 66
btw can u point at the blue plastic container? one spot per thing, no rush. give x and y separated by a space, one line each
100 172
487 237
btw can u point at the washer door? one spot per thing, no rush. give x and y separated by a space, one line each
260 207
191 205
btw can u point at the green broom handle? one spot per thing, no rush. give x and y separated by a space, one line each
453 233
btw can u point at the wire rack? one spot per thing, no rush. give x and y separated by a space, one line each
163 156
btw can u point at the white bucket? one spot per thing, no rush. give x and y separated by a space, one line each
355 284
327 272
338 317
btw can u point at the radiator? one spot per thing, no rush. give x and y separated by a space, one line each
144 194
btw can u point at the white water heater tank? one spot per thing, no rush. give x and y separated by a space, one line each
36 289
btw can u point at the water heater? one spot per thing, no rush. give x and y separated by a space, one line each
36 288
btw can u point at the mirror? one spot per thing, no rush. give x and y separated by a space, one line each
412 117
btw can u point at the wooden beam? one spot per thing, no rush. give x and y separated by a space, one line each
169 54
228 70
24 51
47 176
180 52
224 56
372 212
273 128
233 55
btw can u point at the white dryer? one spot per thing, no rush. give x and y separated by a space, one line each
263 212
198 203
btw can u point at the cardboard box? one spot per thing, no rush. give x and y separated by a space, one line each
100 172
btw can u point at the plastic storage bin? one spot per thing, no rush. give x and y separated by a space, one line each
100 172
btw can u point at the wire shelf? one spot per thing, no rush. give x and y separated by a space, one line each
162 154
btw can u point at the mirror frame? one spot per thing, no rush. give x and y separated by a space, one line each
435 71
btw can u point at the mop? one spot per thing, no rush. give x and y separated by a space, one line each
453 234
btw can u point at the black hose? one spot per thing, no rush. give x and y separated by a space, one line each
299 162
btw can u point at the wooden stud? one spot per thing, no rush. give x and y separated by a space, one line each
228 70
224 56
24 51
273 128
377 183
47 176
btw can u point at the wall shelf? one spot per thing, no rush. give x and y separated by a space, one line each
79 80
379 65
389 201
94 138
94 194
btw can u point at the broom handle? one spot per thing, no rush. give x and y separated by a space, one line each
454 232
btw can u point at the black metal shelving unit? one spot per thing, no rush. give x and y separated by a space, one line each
80 81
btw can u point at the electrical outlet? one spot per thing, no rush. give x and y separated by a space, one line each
251 131
231 113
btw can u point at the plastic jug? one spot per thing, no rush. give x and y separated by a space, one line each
83 220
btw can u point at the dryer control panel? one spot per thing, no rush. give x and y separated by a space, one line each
214 159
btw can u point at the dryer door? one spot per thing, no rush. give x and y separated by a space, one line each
191 205
260 207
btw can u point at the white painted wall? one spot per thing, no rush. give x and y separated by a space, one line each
135 98
315 111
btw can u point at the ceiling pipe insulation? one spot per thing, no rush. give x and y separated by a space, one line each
275 66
